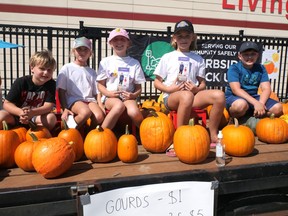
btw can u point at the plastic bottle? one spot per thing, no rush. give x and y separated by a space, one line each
220 151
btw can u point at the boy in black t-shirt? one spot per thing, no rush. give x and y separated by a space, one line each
32 97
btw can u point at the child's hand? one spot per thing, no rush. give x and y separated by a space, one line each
127 96
259 109
115 94
189 86
65 114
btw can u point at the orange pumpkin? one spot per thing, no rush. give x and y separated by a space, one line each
21 132
100 145
273 95
9 141
127 147
74 136
238 139
39 131
23 154
272 130
156 132
191 143
52 157
285 107
224 119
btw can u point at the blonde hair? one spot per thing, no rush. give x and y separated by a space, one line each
193 45
44 59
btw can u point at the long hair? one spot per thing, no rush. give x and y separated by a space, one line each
193 45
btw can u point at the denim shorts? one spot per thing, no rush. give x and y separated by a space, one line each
230 99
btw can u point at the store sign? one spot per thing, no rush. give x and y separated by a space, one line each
166 199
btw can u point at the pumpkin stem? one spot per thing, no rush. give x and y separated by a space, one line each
5 126
99 128
65 124
34 137
127 130
236 122
272 116
192 122
32 125
153 113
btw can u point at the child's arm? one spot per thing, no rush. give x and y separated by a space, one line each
64 106
99 101
158 83
102 88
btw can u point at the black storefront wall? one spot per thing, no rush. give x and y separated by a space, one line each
219 52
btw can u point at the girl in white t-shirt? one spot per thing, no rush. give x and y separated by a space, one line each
77 88
180 75
119 80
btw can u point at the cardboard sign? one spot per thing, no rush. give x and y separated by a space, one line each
167 199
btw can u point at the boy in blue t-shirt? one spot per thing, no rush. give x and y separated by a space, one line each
244 79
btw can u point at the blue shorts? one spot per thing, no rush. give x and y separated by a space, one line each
230 99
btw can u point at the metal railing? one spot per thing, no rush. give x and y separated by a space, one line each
15 62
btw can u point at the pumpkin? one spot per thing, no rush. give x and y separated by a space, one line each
156 132
239 140
52 157
284 117
272 130
224 119
191 143
273 95
23 154
127 147
251 123
160 101
9 141
74 136
285 107
39 131
100 145
21 132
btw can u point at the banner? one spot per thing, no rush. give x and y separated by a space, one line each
270 60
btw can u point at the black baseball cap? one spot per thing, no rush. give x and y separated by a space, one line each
184 25
248 45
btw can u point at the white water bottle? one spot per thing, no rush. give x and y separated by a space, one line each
220 151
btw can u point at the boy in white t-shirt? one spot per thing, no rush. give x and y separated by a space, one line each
119 80
180 75
77 88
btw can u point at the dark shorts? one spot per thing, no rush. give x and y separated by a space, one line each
230 99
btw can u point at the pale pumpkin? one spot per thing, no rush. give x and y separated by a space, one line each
127 147
100 145
52 157
191 143
156 132
272 130
239 140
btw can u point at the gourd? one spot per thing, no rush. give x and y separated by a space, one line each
100 145
191 143
251 123
9 141
52 157
239 140
74 136
39 131
156 132
272 130
127 147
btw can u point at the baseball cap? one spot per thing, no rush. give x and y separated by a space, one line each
248 45
82 41
184 25
118 32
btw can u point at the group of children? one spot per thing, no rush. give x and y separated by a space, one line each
104 95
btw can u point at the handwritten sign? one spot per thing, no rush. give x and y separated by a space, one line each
167 199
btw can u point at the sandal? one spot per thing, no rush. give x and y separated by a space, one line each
212 145
170 151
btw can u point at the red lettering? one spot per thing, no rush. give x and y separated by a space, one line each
287 10
273 6
225 5
240 5
252 5
264 6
